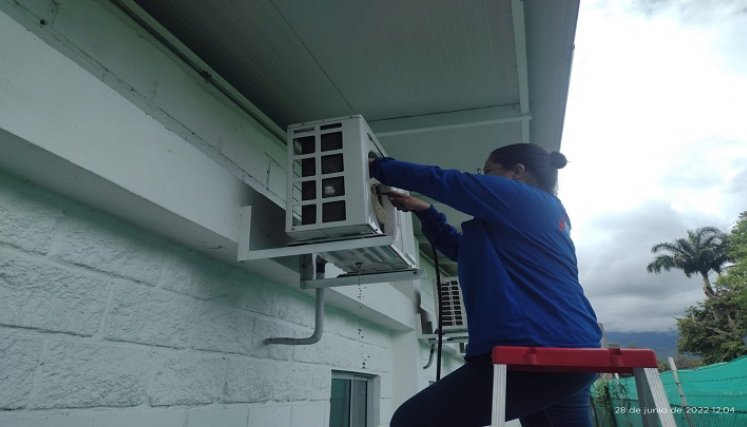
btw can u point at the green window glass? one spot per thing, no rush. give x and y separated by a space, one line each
349 403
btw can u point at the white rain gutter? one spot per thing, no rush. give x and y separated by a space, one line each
520 47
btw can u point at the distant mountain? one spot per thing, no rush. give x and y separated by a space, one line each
663 343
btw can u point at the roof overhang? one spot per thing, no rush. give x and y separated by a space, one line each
439 81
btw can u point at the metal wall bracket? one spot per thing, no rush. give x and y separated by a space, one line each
362 279
262 236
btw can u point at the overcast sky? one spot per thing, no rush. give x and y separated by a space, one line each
656 137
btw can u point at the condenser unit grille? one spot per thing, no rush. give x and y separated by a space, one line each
318 176
454 317
331 197
330 192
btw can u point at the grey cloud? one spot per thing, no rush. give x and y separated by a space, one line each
694 11
698 164
737 190
612 268
738 186
729 17
613 250
625 313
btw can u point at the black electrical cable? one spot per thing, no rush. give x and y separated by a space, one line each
430 356
440 313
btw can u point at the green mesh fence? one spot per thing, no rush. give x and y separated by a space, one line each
716 397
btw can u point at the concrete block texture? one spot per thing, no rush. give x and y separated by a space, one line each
124 319
309 415
250 380
28 217
356 328
106 324
35 293
131 417
101 243
186 378
264 416
344 353
155 317
81 375
46 420
264 328
189 273
272 300
19 360
173 328
223 416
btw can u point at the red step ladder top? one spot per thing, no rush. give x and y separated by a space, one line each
549 359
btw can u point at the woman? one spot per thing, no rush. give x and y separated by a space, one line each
519 279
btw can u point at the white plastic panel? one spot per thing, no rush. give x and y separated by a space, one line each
452 306
331 196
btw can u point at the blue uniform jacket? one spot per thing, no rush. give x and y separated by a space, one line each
516 261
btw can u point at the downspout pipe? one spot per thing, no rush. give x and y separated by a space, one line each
318 325
318 316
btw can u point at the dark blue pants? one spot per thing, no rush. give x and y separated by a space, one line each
464 399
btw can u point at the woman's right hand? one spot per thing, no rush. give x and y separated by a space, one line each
406 202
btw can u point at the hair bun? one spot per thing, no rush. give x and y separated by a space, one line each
558 160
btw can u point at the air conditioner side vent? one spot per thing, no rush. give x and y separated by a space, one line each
452 305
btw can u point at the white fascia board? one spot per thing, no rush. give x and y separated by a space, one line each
520 49
139 15
54 104
550 34
170 87
380 303
66 130
451 120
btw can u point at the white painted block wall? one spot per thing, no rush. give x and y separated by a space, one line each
102 323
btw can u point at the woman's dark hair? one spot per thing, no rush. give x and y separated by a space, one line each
542 164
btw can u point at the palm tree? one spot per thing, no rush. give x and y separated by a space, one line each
703 251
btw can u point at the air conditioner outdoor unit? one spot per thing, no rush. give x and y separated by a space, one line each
331 196
452 306
454 319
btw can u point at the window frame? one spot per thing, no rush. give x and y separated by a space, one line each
372 395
